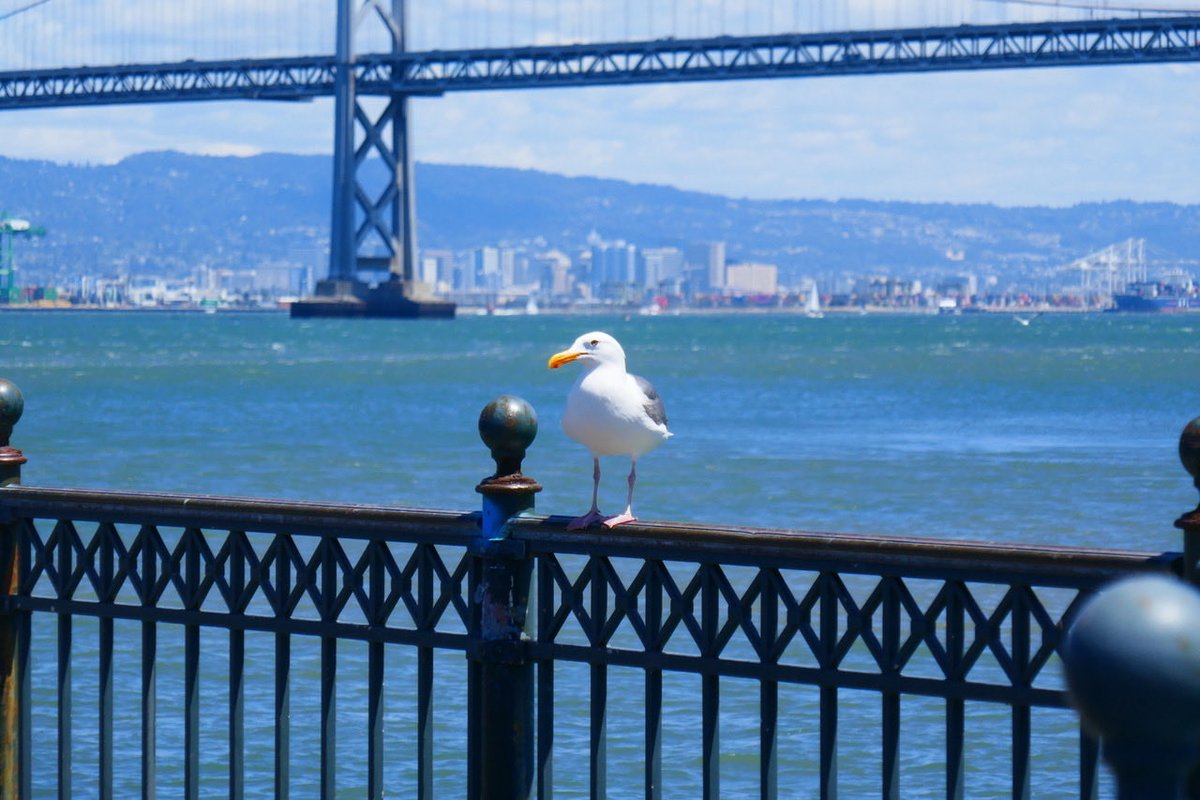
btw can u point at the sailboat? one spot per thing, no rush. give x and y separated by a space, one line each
812 306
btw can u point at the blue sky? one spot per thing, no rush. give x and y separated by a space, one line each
1016 137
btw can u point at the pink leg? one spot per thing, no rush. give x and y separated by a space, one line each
594 515
621 519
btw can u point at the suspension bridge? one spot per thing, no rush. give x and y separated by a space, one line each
375 55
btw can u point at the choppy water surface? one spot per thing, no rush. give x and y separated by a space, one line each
968 427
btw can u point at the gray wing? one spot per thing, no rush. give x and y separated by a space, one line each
654 404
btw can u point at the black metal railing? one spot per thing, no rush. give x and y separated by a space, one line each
897 619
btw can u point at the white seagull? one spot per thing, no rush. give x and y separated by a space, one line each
611 413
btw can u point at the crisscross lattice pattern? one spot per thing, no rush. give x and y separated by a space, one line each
957 624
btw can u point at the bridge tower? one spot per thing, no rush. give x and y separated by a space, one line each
372 228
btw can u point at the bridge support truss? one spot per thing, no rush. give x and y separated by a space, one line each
373 228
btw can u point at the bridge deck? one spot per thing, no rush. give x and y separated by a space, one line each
965 47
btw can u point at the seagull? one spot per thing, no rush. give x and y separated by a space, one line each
611 413
1024 321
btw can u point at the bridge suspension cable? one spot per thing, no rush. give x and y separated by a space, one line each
18 11
1101 7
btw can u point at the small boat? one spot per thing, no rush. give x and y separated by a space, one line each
812 306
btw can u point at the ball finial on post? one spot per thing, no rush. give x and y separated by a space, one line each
508 425
12 404
1132 662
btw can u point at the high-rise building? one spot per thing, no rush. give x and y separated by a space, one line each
658 264
614 267
485 269
436 268
507 267
552 272
706 261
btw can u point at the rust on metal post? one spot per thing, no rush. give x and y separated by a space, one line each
1189 523
11 459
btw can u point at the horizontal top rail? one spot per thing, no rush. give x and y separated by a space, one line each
1049 565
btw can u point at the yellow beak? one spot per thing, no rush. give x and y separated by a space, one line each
565 357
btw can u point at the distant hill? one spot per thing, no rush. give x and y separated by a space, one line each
167 213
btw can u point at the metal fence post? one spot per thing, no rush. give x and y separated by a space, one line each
502 672
1189 523
14 761
1132 662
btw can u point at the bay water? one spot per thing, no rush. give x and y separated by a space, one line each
1063 431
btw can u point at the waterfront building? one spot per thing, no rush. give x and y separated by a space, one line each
752 278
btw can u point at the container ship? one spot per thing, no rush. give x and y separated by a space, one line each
1157 297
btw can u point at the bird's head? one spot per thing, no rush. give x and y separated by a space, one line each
592 350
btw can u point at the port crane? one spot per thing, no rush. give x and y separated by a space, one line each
1108 271
10 229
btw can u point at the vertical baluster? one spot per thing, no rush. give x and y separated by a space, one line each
149 555
24 689
105 695
474 699
1021 722
64 666
237 667
710 687
599 685
890 697
710 690
191 671
328 672
425 679
1089 766
376 593
375 720
14 696
237 714
768 692
654 681
828 694
545 682
955 712
283 670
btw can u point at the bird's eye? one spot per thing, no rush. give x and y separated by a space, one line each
594 342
